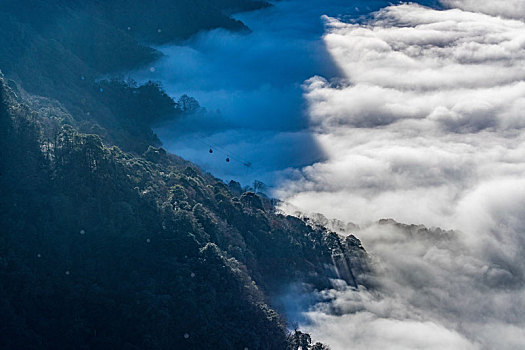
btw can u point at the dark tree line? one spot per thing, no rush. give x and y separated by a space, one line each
59 49
105 249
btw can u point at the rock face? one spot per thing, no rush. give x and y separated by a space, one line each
350 260
105 249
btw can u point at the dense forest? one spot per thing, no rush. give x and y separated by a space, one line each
105 249
60 50
109 242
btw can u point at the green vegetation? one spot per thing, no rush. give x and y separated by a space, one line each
59 49
106 240
105 249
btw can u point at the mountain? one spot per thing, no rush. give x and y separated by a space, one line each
109 242
106 249
61 49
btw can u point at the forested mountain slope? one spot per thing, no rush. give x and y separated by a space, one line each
60 49
102 249
107 241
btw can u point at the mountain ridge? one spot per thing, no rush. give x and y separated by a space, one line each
122 242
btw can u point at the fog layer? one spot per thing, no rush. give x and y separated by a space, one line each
425 125
413 114
251 87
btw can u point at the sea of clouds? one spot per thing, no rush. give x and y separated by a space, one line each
409 113
251 87
425 124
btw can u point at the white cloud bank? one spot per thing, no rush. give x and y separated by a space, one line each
504 8
431 107
426 125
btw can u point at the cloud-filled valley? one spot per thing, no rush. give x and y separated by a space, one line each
388 111
424 126
178 174
251 87
415 115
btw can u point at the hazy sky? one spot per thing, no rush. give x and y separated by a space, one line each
410 113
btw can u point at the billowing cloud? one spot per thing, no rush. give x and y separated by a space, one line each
425 125
429 108
250 84
508 8
416 114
